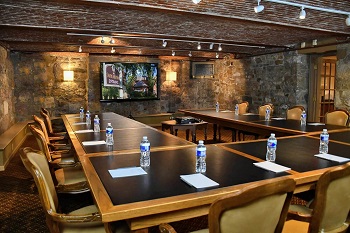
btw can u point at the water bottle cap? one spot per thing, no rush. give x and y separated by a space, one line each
200 142
109 124
96 116
144 137
324 130
272 134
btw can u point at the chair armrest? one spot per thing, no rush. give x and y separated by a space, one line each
166 228
298 216
92 217
80 187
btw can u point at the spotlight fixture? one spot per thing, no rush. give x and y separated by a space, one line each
217 55
259 8
199 46
211 46
314 42
302 14
219 48
347 21
196 1
190 54
112 50
173 53
102 40
111 41
80 49
164 43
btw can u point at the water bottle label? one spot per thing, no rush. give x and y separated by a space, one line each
96 121
201 153
81 110
146 147
272 144
109 131
324 137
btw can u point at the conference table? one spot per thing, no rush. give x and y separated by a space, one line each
160 194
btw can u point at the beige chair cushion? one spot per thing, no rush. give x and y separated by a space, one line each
70 175
293 226
201 231
336 118
294 113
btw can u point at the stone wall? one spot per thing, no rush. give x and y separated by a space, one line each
39 83
7 110
342 84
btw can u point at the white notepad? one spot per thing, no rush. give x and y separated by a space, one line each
79 123
126 172
278 118
198 180
92 143
332 157
226 111
272 166
315 124
84 131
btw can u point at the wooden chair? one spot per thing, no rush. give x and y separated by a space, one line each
55 142
261 112
330 208
66 172
294 113
49 127
243 107
80 220
337 117
261 207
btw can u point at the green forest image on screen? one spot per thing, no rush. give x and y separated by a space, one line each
129 81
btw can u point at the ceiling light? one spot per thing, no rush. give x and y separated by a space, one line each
164 43
259 8
211 46
112 50
111 41
102 40
314 42
80 49
173 53
302 14
219 48
199 46
196 1
347 21
217 55
190 54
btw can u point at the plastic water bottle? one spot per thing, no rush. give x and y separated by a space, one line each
96 124
109 135
145 147
303 118
324 138
236 110
267 114
217 107
81 111
271 148
201 152
88 117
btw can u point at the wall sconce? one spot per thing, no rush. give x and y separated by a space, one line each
68 75
170 76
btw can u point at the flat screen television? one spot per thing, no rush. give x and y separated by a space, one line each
129 81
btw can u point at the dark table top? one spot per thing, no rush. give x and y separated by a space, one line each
130 139
295 152
163 176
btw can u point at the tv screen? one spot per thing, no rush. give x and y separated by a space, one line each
129 81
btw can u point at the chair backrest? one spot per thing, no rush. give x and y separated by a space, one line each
47 121
294 113
262 109
45 111
40 138
36 163
41 123
332 201
262 207
337 117
243 107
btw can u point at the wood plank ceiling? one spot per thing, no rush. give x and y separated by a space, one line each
140 26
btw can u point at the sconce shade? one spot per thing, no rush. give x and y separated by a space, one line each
171 76
68 75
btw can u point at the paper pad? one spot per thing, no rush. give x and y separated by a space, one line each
198 180
92 143
126 172
316 124
271 166
332 157
79 123
84 131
